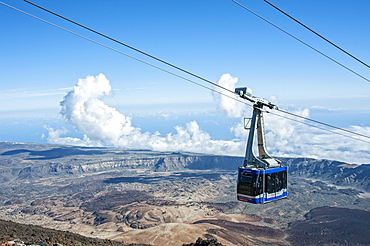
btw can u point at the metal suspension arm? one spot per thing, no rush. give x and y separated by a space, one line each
264 160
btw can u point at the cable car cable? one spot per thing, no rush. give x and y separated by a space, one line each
128 46
322 123
301 41
316 33
321 128
214 90
132 57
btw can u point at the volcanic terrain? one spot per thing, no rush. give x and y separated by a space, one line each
162 198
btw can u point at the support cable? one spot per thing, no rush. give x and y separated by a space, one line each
128 46
316 33
191 81
301 41
132 57
321 128
322 123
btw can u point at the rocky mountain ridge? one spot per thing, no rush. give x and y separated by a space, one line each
32 161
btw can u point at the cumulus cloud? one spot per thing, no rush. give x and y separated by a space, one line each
82 107
102 125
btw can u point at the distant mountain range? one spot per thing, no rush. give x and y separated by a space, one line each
54 160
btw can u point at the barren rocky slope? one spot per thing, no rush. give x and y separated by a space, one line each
36 235
336 226
163 198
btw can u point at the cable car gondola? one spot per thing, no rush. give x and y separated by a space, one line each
261 179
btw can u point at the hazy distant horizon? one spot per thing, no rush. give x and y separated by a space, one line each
28 126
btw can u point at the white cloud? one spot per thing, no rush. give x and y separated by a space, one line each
54 136
102 125
228 104
82 107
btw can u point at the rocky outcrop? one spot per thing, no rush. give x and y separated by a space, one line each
204 242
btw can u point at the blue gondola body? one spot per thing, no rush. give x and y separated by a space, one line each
261 185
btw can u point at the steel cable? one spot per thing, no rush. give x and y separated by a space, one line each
317 34
301 41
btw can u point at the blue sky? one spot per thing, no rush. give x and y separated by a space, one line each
40 64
